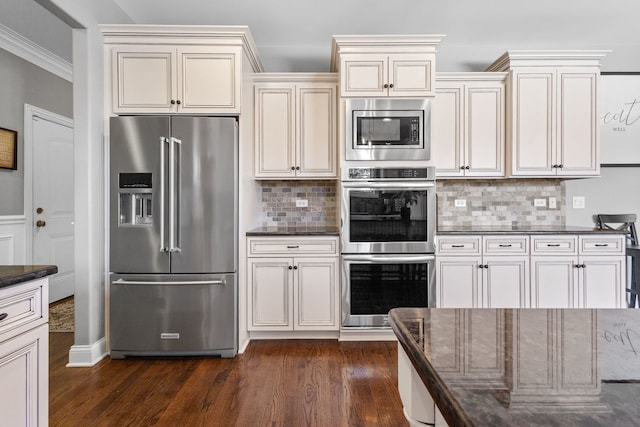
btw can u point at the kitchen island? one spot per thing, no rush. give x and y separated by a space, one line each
24 344
519 367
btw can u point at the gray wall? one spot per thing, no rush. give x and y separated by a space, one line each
24 83
616 191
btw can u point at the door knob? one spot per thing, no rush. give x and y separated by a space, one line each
40 223
39 210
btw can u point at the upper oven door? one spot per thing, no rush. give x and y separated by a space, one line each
384 217
387 129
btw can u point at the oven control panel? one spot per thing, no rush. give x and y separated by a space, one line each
391 174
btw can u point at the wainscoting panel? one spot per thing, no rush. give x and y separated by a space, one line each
12 240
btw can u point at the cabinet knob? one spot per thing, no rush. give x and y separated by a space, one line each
461 167
560 166
391 86
178 102
3 316
295 267
467 167
40 223
385 86
173 101
297 168
293 168
290 268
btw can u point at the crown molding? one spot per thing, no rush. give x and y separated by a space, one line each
29 51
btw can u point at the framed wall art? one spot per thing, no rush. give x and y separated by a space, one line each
619 104
8 149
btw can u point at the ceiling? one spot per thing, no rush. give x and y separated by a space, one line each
295 35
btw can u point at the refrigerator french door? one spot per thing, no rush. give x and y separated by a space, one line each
173 236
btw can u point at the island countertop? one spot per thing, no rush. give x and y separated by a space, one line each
14 274
526 367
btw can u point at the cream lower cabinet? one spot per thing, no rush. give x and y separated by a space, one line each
578 271
468 125
293 284
482 271
24 354
295 125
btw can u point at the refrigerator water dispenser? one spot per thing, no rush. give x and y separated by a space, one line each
135 205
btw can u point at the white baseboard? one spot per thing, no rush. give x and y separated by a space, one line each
83 356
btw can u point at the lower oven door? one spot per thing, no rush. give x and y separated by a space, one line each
374 284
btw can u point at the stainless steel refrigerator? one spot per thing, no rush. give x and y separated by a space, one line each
173 236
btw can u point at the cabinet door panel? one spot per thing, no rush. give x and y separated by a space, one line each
145 80
553 282
506 282
271 294
533 124
316 127
602 285
275 116
446 130
411 75
316 293
363 75
207 80
24 362
484 130
457 282
577 124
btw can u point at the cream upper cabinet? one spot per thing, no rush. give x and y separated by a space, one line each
374 75
169 79
552 112
380 66
165 69
468 125
295 126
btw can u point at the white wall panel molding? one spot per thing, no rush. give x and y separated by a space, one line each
37 55
12 240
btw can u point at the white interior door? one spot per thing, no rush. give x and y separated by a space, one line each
52 203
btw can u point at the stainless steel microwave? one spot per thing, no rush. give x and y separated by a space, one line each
388 129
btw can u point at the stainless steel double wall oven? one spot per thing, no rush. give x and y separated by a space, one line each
388 220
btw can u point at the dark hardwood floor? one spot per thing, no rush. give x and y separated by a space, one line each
274 383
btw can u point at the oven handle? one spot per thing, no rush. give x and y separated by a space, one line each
389 258
401 185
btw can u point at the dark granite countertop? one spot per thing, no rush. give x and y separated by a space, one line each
14 274
533 229
294 231
526 367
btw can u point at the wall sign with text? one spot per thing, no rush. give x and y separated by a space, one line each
619 105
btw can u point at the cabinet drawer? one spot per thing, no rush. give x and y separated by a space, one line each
458 245
23 307
602 245
268 246
554 245
506 245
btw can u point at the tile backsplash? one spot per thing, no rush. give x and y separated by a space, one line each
488 202
279 203
500 202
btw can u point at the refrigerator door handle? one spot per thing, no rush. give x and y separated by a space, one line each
179 282
163 172
174 165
